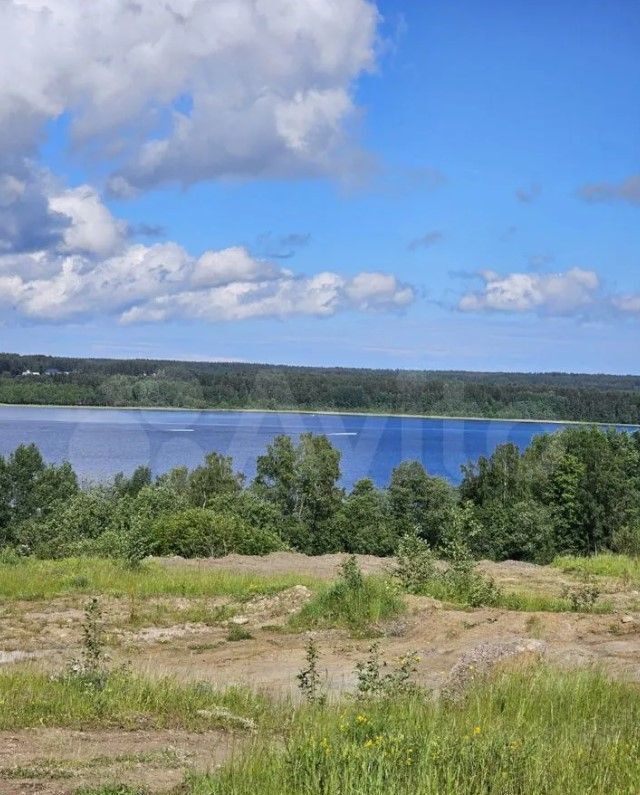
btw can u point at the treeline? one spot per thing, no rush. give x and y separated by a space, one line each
573 492
111 382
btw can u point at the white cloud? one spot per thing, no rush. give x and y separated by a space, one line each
94 270
187 90
629 304
92 229
556 293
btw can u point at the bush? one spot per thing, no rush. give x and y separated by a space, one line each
416 566
353 602
626 541
418 573
198 533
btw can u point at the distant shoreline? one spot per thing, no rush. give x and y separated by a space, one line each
325 412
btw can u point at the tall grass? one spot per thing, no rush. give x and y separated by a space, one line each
358 608
31 698
605 564
533 732
45 579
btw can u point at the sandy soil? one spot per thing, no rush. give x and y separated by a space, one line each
271 658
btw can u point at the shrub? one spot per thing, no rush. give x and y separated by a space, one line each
237 632
354 602
372 682
582 598
415 567
198 532
626 541
460 581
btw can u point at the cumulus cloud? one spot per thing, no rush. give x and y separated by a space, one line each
185 90
174 91
565 293
626 191
95 270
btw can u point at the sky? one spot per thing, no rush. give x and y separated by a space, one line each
418 184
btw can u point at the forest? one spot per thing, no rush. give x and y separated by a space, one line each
200 385
574 492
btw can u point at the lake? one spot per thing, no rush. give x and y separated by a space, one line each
101 442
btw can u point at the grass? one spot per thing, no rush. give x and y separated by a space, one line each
237 633
520 601
30 698
541 603
605 564
358 608
143 614
45 579
536 730
53 769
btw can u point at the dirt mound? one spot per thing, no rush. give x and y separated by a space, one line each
320 566
482 659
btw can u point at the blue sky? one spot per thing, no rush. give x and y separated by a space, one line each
466 175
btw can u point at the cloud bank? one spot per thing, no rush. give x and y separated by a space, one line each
186 90
173 91
575 292
95 270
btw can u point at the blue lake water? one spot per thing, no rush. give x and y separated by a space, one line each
101 442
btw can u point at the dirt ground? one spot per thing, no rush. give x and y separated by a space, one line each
158 642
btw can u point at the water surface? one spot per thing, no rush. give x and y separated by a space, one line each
101 442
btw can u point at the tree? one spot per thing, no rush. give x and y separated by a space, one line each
498 478
302 481
275 474
214 478
132 485
364 525
420 503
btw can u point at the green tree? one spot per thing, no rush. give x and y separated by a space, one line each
363 525
213 478
302 481
420 503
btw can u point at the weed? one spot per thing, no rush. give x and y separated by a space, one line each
91 668
534 626
309 679
372 682
44 579
238 632
535 730
583 598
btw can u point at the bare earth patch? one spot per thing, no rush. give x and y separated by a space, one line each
269 657
54 761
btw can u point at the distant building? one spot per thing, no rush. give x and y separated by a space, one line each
52 371
29 373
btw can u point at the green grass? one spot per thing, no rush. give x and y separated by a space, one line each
197 611
519 601
541 603
44 579
358 609
30 698
604 565
531 732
